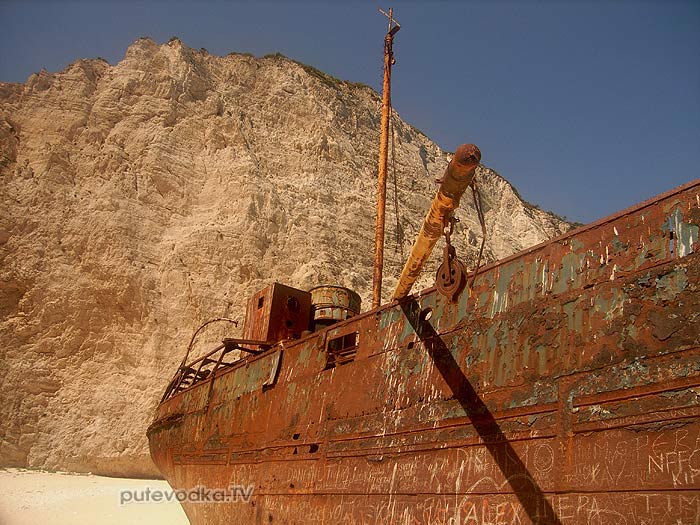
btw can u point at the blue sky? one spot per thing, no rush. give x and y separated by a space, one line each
587 107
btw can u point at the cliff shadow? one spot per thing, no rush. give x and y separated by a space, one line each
526 489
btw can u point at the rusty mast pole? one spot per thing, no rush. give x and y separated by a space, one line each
383 156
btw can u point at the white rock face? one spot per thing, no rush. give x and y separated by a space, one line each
140 200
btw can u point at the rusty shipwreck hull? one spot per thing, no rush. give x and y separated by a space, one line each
565 389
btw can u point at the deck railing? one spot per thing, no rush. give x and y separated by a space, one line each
205 367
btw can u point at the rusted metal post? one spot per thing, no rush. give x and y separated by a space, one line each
383 156
458 176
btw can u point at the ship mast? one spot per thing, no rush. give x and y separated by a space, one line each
389 61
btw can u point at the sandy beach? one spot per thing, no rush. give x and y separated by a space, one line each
36 497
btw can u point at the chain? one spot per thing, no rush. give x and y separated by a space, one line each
450 252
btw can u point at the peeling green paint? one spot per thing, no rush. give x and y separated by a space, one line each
618 245
612 306
438 314
541 351
462 302
642 256
484 299
407 331
305 353
577 245
389 317
574 319
670 285
568 276
491 341
685 234
500 297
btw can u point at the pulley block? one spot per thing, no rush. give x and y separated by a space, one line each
451 277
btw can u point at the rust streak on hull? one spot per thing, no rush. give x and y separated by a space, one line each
565 389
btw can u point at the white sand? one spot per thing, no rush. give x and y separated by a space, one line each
34 497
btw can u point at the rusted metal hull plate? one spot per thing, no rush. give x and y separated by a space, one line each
566 389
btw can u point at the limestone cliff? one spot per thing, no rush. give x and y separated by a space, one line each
141 199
